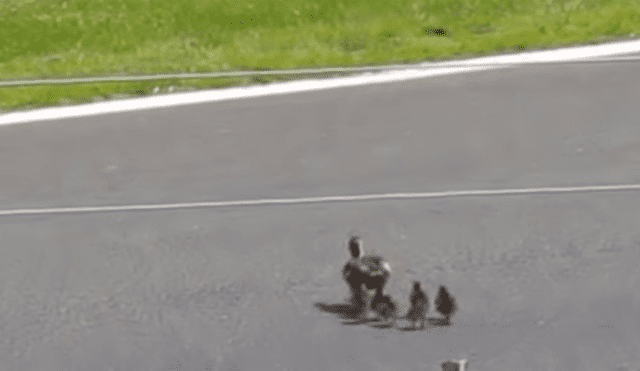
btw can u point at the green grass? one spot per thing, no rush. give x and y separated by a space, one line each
65 38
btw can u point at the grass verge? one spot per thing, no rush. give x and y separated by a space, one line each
73 38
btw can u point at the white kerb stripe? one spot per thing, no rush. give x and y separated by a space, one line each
219 95
469 65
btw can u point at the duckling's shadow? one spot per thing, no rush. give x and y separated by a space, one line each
430 323
362 321
383 326
352 316
438 322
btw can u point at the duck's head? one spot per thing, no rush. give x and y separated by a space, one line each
355 247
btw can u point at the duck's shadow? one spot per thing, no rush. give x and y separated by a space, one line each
351 316
342 310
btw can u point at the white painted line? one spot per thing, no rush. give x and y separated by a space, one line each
218 95
306 200
470 65
556 55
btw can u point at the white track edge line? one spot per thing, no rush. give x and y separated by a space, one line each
306 200
219 95
471 65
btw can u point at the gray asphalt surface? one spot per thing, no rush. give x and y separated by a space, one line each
234 288
532 126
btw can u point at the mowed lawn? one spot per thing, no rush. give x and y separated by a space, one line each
65 38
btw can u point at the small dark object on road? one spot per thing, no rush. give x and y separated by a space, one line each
446 304
455 366
419 306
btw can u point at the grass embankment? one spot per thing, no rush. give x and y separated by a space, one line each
74 38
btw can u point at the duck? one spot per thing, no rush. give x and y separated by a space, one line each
364 272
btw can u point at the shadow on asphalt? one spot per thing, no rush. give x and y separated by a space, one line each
342 310
357 322
351 316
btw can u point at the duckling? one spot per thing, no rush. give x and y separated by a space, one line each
446 304
385 307
419 305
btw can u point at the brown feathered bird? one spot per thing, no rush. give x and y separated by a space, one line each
446 304
419 305
364 272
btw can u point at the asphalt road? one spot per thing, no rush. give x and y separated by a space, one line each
531 126
543 282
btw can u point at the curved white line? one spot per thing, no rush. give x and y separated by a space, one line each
220 95
577 53
289 201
